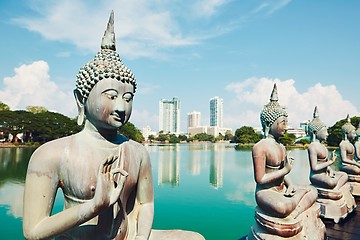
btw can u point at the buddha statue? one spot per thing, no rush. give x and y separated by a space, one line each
334 194
106 178
357 143
348 162
283 209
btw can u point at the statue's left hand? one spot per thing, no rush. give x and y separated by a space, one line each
290 191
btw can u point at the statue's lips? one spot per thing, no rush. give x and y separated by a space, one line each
118 117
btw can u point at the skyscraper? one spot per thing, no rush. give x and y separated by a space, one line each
194 119
216 112
169 115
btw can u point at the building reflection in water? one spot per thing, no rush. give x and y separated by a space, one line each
216 166
194 162
169 165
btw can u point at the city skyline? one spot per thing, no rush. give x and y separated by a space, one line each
190 49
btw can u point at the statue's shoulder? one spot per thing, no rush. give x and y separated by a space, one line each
137 148
53 150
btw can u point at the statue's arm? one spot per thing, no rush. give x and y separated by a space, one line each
343 154
259 162
40 190
313 158
145 196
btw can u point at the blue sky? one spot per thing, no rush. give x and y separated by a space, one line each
193 50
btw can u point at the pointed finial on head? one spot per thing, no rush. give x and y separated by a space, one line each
316 112
108 40
348 118
274 94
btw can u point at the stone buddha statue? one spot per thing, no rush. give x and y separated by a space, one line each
348 162
283 209
357 143
106 179
333 190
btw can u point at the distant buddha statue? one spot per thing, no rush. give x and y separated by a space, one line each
333 190
106 179
283 209
357 143
348 162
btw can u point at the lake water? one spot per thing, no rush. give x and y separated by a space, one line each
208 188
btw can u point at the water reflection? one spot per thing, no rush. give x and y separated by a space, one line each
169 165
202 168
216 166
13 165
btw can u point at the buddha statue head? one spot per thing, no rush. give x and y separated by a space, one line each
348 129
358 130
271 112
316 125
105 66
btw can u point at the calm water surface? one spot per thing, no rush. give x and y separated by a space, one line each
208 188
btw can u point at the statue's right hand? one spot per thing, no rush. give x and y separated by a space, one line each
106 193
289 162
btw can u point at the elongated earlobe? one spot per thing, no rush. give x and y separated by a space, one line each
81 116
81 108
266 131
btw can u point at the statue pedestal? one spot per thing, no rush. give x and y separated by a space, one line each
354 181
307 225
335 204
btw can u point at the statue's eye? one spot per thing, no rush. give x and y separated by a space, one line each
128 96
111 94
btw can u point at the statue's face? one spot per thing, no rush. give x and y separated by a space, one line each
351 135
278 128
109 104
322 134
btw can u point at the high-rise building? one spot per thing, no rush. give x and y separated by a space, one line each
194 119
169 115
216 112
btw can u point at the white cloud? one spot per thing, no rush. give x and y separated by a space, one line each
31 85
142 26
252 94
11 194
207 8
271 6
142 118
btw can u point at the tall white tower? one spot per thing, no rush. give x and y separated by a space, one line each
216 112
194 119
169 116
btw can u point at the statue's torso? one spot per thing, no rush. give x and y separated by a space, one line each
78 170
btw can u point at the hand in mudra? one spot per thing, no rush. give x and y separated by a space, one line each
290 191
289 160
107 190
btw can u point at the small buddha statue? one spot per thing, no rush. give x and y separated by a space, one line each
280 204
357 144
333 190
348 162
106 178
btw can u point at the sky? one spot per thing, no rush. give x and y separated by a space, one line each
190 49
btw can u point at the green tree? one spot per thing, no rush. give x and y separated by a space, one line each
151 138
4 107
228 135
130 131
204 137
183 138
173 138
246 134
287 139
36 109
163 137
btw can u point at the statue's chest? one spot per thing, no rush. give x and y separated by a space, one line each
80 179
